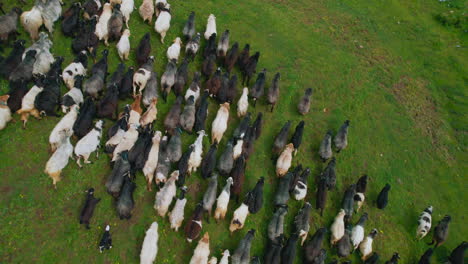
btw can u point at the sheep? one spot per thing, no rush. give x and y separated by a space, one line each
226 160
71 17
173 116
243 58
92 40
8 64
424 223
173 51
219 125
273 250
76 68
176 216
125 203
239 216
288 253
91 8
163 167
88 208
209 66
27 103
126 84
88 144
9 23
117 131
242 253
196 156
48 100
187 118
426 257
84 121
149 249
281 138
300 188
183 165
66 123
357 233
341 139
106 240
146 10
174 146
329 174
166 194
95 84
142 76
152 161
225 258
366 245
59 160
102 30
338 227
320 259
194 88
257 125
143 50
17 91
257 90
284 161
210 26
136 111
127 8
243 104
348 200
189 27
163 22
241 129
458 254
232 56
150 115
192 47
304 104
238 175
313 246
256 197
344 244
120 170
361 186
32 21
394 259
441 231
209 197
159 4
213 85
168 79
127 142
250 69
325 150
282 193
107 107
123 46
50 11
138 154
209 161
273 91
181 78
374 259
297 136
382 198
5 113
276 224
248 147
223 200
202 251
24 70
223 44
150 94
301 221
193 226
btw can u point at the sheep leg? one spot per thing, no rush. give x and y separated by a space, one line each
272 106
97 153
78 162
85 159
207 217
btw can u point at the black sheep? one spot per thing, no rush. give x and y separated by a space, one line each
226 160
13 59
106 240
441 231
95 84
117 76
341 139
125 203
209 161
222 94
68 99
458 254
249 140
48 100
296 174
312 249
382 199
426 257
122 123
297 136
187 118
193 225
209 66
189 28
88 209
174 146
92 41
84 121
273 251
348 201
300 186
126 84
329 174
395 258
192 47
321 198
242 128
24 70
201 114
17 91
288 253
232 89
374 259
171 121
181 77
282 192
231 57
71 17
258 89
256 201
80 44
238 176
183 166
115 24
344 244
281 139
257 125
210 48
213 85
107 107
301 222
304 103
361 184
120 170
243 59
242 252
138 154
143 50
91 8
250 69
325 150
273 91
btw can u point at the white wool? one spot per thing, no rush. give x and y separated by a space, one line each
5 116
162 24
423 226
300 191
237 150
225 258
127 8
152 161
201 252
72 70
173 51
366 247
77 97
102 31
134 118
59 159
66 123
150 115
210 26
89 143
140 78
27 104
115 139
357 235
359 203
32 21
243 104
223 201
123 47
196 155
337 228
284 160
220 123
239 217
51 12
44 60
176 216
146 10
213 260
128 140
149 249
166 194
195 94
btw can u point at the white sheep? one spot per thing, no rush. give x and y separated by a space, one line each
123 47
146 10
140 78
223 200
243 104
163 22
59 160
127 142
72 70
5 112
284 160
210 26
225 258
127 8
220 123
237 150
152 161
66 123
166 194
239 217
213 260
337 229
27 104
300 191
102 31
74 94
202 251
149 249
196 156
366 246
32 21
173 51
88 144
176 216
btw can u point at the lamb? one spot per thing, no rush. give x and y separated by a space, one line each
174 146
146 10
142 76
136 111
338 227
441 231
219 125
276 224
239 217
8 64
16 94
281 138
25 69
382 199
126 84
152 161
304 103
238 175
257 90
366 245
127 142
76 68
149 249
231 57
70 20
88 144
313 246
348 200
102 30
242 253
223 201
187 118
194 224
226 160
192 47
344 244
325 151
189 27
163 22
173 51
163 167
361 186
282 193
284 161
301 221
127 8
9 23
166 194
125 203
176 216
143 50
88 209
171 121
202 251
123 46
329 174
458 254
32 21
243 104
107 107
196 156
51 11
59 160
5 113
66 123
357 233
106 240
181 78
288 253
209 161
150 93
27 103
273 91
223 44
424 223
273 250
210 26
341 139
297 136
120 170
168 79
300 188
84 121
250 68
150 115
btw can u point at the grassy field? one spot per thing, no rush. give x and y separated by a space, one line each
390 67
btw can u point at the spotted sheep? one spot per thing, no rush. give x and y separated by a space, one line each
424 223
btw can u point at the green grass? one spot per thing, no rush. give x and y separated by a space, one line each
389 66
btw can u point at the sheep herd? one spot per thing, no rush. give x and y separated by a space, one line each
135 145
